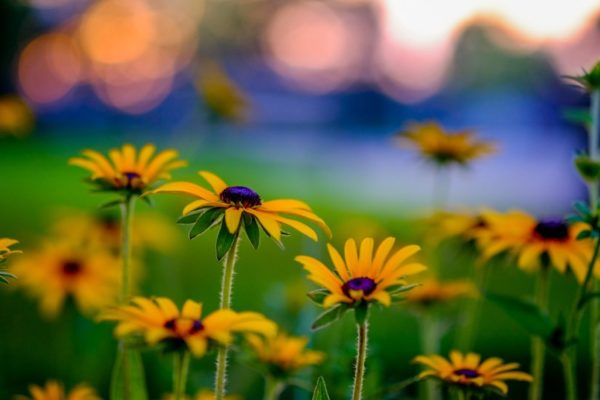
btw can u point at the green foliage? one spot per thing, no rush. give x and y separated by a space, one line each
5 276
225 240
128 381
578 116
526 314
590 80
317 296
330 316
205 221
583 214
252 230
588 169
320 392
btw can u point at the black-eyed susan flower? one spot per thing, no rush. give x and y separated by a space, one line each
54 390
434 292
234 206
283 354
89 274
158 320
362 276
534 240
443 225
126 170
444 148
467 371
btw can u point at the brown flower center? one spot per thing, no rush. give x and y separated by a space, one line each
240 196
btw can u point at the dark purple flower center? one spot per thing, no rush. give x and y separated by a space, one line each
467 372
133 179
240 196
172 326
366 285
71 267
552 229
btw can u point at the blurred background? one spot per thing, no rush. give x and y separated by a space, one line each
295 99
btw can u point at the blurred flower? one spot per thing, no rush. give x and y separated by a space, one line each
149 230
203 395
16 117
533 240
468 372
362 277
55 391
220 94
5 251
284 354
129 172
443 225
235 202
433 292
160 321
443 148
65 268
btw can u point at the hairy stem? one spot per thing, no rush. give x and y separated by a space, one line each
361 357
538 347
225 303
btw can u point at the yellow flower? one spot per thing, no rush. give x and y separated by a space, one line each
16 117
160 321
532 240
433 292
284 353
468 371
360 275
203 395
127 170
220 94
242 204
444 225
89 274
444 148
55 391
5 251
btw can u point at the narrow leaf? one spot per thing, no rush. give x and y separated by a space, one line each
252 230
582 208
191 217
402 289
584 234
128 382
587 298
320 392
110 204
329 316
526 314
224 241
205 221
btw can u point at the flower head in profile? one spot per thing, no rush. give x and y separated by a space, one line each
5 252
444 225
158 320
433 292
443 148
536 242
54 390
234 206
284 354
62 269
362 275
126 170
467 371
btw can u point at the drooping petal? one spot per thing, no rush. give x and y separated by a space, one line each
268 223
284 205
232 219
187 188
299 226
214 181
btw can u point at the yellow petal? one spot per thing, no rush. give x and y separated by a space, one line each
338 263
214 181
145 154
399 257
351 256
187 188
381 296
285 204
335 298
268 223
232 219
380 255
192 310
299 226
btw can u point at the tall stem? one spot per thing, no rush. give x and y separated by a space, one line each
538 348
466 333
570 378
226 289
361 357
431 336
273 388
127 209
180 373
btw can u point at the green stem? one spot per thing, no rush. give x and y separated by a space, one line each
225 303
180 373
361 357
127 209
538 347
466 333
569 375
273 387
431 336
441 187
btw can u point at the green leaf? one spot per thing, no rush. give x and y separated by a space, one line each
252 230
318 295
128 381
361 312
402 289
526 314
580 116
110 204
190 218
573 218
148 200
224 241
320 392
584 234
587 298
206 221
582 208
329 316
